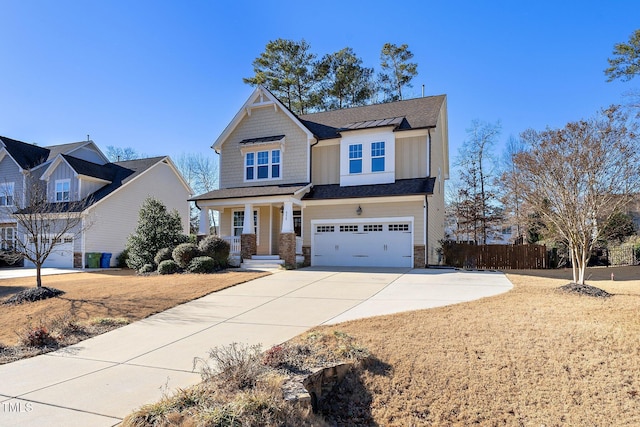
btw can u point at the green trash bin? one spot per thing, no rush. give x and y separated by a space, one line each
93 259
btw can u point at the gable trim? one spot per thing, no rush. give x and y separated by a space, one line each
54 164
4 153
266 99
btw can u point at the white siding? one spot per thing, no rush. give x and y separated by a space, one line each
115 217
89 187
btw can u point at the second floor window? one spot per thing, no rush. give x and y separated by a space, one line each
261 165
377 157
355 158
63 187
6 194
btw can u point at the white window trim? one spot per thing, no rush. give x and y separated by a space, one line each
3 236
256 225
255 164
55 190
383 157
8 189
367 176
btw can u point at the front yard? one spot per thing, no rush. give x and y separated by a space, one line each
116 294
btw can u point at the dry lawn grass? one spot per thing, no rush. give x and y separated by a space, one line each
114 294
531 357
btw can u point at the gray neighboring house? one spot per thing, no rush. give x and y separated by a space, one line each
112 194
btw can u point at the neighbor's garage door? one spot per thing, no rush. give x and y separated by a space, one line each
368 244
60 257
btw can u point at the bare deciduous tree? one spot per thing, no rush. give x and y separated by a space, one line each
580 175
201 172
43 224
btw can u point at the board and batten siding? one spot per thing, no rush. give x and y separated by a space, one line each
114 218
261 123
370 209
63 171
10 173
326 164
411 157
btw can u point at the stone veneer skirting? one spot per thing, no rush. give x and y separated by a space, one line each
287 248
248 245
419 256
306 252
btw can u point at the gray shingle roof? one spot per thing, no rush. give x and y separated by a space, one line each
83 167
402 187
241 192
63 148
27 155
418 113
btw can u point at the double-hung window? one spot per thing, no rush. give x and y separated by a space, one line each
261 165
377 156
355 158
63 188
6 194
238 222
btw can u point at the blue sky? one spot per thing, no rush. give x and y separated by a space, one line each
165 77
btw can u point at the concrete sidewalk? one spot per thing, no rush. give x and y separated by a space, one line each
99 381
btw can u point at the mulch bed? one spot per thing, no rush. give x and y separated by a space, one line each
587 290
34 294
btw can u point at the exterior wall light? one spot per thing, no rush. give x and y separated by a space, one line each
359 210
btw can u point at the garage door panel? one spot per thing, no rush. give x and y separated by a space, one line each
379 244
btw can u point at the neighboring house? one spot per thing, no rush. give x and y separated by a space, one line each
362 186
112 194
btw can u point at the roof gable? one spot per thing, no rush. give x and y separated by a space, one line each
75 147
25 155
260 98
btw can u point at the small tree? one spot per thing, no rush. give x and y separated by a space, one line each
580 175
42 225
157 229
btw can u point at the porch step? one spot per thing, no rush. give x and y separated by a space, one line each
263 262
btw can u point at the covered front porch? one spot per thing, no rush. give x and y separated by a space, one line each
264 226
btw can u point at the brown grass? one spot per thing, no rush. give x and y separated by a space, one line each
533 356
108 294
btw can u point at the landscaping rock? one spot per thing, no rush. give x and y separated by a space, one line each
33 294
587 290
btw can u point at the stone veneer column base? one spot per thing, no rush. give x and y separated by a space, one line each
77 260
287 248
248 246
419 260
306 252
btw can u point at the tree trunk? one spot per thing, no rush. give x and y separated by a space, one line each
38 276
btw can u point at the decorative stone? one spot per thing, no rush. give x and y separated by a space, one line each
419 259
287 248
248 246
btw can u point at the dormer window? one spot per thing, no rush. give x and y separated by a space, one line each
6 194
355 158
377 156
63 188
262 165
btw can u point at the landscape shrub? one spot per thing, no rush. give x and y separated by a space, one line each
238 365
168 266
184 253
216 248
147 268
121 259
201 264
157 228
38 336
163 255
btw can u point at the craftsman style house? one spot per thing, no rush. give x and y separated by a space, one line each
361 186
109 195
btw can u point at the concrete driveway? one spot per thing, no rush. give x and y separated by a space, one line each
99 381
14 273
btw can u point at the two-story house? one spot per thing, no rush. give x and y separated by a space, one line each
109 195
361 186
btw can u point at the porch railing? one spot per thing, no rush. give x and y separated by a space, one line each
234 243
298 245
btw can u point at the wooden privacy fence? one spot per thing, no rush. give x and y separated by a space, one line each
496 257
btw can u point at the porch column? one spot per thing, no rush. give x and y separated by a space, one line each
248 243
204 222
287 242
287 218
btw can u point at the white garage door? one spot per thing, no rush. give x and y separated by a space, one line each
60 257
379 243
